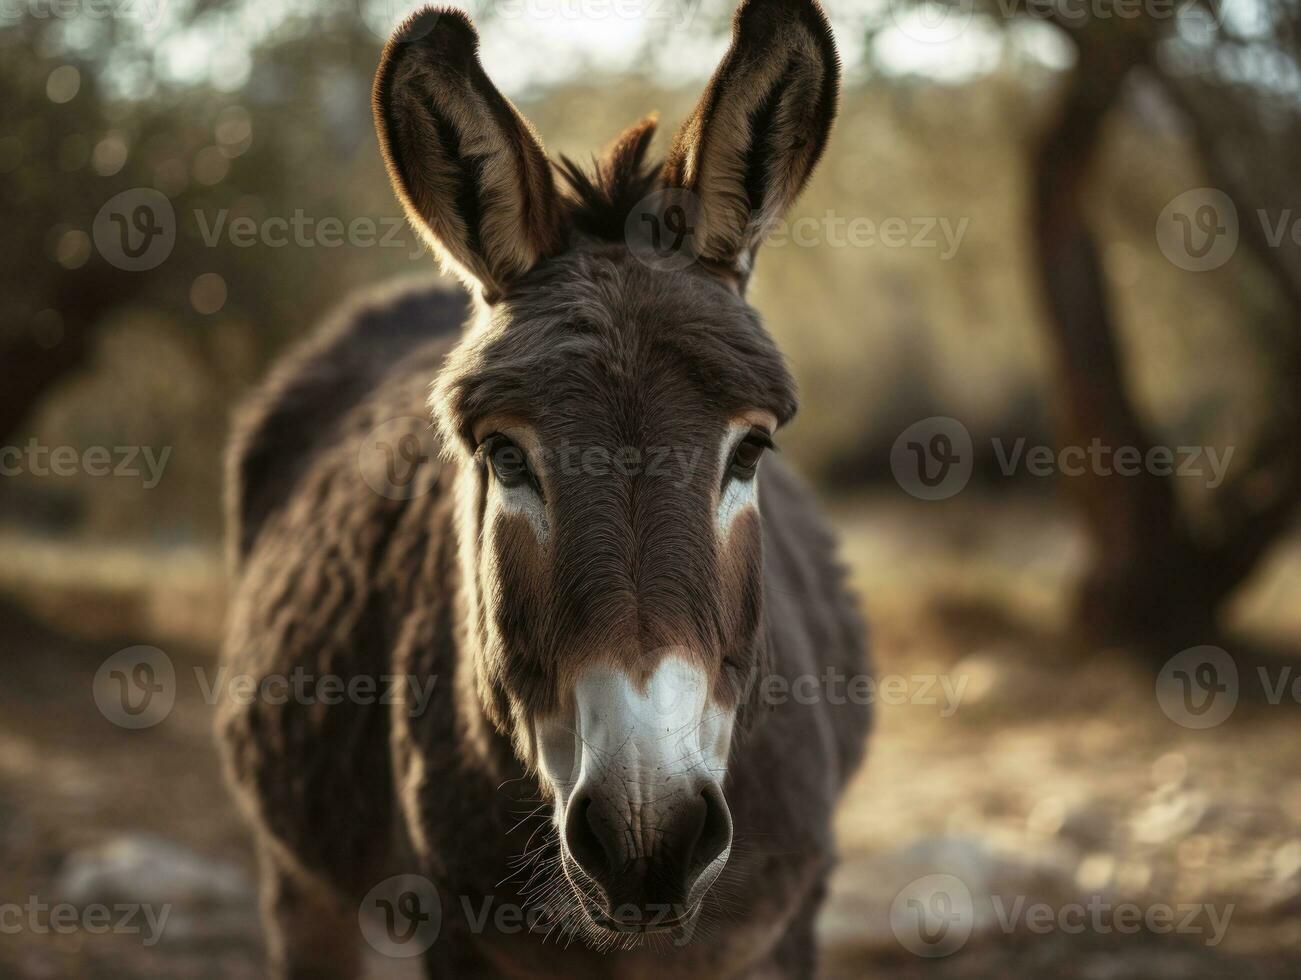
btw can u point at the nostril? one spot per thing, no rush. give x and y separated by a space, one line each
584 839
714 835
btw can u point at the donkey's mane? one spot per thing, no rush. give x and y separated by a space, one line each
599 200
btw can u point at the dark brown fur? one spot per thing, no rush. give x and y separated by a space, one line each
591 348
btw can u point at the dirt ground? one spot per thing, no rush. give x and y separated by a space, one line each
1021 786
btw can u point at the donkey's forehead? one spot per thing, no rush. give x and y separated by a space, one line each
605 340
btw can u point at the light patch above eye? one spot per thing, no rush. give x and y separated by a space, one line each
736 495
523 498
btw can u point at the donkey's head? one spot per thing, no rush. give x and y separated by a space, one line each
609 407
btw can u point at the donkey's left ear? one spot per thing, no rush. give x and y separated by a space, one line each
473 178
749 147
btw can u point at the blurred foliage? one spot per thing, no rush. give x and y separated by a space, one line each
879 336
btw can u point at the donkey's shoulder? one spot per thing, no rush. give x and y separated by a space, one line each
296 409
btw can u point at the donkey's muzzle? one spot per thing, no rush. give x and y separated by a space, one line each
651 863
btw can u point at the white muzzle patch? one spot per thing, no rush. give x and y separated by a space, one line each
646 748
667 731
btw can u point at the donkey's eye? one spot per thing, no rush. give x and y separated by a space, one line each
509 464
746 456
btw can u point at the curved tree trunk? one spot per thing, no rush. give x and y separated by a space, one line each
1140 580
1155 578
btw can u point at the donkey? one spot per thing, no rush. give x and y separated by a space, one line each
580 574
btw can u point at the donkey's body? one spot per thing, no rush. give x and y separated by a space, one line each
339 580
482 638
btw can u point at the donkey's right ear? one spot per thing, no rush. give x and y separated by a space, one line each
469 171
758 131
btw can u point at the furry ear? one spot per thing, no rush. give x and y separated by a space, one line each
469 171
754 138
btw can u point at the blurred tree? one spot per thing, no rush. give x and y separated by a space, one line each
1161 572
57 286
277 135
69 143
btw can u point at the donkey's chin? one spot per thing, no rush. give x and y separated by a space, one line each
634 923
